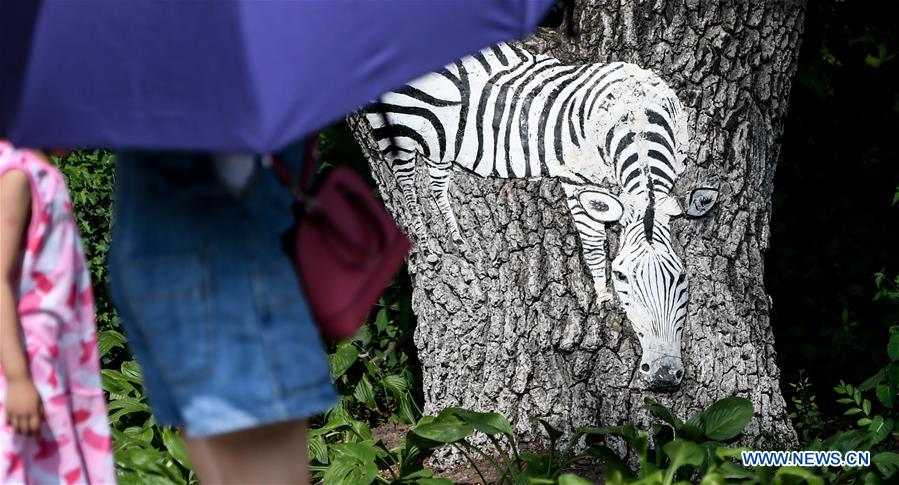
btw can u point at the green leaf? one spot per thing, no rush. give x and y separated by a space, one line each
140 433
852 411
131 371
125 406
551 431
880 429
381 320
734 471
611 460
365 393
663 413
846 441
116 384
487 423
692 428
363 451
539 480
572 479
541 465
682 453
788 475
406 413
395 383
137 458
721 452
363 336
713 478
129 477
347 469
892 373
866 406
361 431
318 450
108 340
423 473
449 429
885 395
353 463
338 415
873 61
887 463
342 359
726 418
893 347
175 447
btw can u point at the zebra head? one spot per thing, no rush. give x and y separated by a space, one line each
651 284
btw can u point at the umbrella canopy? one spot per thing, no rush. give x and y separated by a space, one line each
240 76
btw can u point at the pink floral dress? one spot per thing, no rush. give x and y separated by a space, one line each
56 310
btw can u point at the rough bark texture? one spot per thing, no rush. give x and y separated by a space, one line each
512 326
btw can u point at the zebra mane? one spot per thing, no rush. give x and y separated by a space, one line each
650 214
508 55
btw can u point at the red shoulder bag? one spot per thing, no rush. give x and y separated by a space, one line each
346 248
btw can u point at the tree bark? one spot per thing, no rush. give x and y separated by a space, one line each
511 325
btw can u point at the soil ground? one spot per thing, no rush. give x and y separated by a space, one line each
394 434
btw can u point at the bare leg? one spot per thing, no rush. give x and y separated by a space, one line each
593 242
440 177
274 454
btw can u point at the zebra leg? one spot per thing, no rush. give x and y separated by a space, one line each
404 172
593 242
440 176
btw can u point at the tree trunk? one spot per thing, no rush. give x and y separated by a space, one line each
512 324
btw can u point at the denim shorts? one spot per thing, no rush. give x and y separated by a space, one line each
208 298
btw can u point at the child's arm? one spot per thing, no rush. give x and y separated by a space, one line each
23 403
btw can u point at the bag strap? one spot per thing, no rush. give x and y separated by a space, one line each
300 186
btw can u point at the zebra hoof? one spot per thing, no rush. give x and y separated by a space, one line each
460 244
603 295
431 251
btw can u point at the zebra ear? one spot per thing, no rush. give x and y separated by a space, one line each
670 207
600 206
701 201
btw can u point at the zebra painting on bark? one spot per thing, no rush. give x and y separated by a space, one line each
614 135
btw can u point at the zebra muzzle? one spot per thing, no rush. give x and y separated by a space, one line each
663 373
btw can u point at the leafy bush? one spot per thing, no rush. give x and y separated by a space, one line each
825 245
672 450
373 370
806 416
873 407
378 377
90 176
144 452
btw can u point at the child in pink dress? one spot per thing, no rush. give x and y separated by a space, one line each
53 424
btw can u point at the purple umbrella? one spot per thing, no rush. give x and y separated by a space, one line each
223 75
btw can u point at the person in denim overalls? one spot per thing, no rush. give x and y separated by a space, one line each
214 312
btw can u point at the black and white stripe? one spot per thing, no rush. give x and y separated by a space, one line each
507 113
